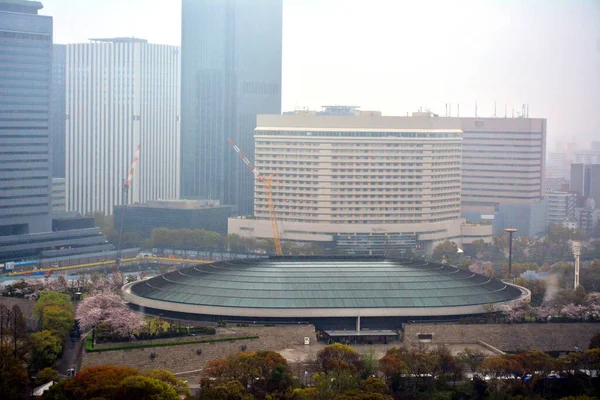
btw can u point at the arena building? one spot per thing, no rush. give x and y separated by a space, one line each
330 292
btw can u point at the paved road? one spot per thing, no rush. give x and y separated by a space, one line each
71 357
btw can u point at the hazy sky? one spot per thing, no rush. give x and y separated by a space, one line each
396 56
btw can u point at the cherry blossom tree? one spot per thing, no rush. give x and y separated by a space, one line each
110 310
592 304
518 312
573 311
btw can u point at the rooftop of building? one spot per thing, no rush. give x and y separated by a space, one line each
119 40
22 6
325 283
351 117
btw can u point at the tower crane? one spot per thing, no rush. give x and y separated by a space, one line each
267 181
126 186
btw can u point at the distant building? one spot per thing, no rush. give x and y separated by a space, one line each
561 208
588 216
25 157
587 157
529 219
557 166
173 214
59 191
555 185
231 71
121 93
364 184
58 110
503 162
585 180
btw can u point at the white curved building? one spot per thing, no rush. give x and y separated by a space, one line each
364 182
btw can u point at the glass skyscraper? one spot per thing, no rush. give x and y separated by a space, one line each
231 71
25 158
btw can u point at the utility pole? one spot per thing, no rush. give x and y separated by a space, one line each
576 254
510 237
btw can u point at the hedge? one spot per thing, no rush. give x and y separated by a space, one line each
89 345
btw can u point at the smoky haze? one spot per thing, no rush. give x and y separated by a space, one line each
396 56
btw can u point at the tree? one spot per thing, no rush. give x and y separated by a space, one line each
45 349
338 357
590 277
472 359
57 320
46 375
111 310
94 382
537 288
518 312
227 390
13 379
261 372
55 299
180 386
144 388
446 251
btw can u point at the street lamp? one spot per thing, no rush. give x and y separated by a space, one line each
510 235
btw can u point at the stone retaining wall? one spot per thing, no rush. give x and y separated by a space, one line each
508 337
183 358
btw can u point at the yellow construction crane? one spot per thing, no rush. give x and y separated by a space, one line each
267 181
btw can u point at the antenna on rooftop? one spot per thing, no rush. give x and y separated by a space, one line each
505 110
458 110
475 109
494 109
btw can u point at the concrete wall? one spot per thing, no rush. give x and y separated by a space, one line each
509 337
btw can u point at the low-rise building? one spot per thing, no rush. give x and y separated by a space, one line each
173 214
561 208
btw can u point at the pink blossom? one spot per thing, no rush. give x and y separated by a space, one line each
518 312
573 311
110 309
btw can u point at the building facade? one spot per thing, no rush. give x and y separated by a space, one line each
503 162
557 166
59 192
530 219
585 181
57 110
25 158
231 71
173 214
121 93
363 183
561 207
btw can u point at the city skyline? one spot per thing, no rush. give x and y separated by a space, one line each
546 55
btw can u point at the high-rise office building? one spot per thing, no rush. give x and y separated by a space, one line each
503 162
364 183
231 71
57 110
503 159
585 181
25 62
121 93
